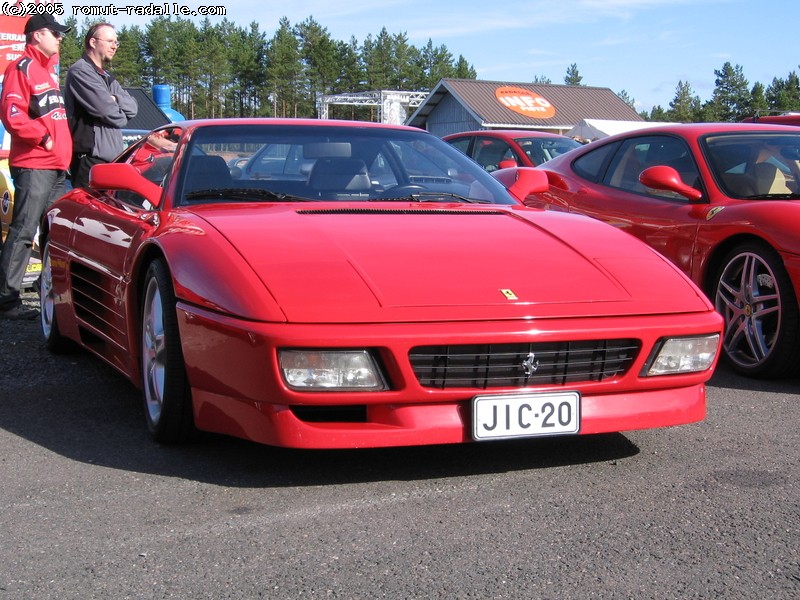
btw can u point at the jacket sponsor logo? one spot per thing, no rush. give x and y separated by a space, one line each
41 86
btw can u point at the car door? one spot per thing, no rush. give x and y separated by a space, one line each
104 233
664 220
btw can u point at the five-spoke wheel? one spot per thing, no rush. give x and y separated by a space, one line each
166 393
755 296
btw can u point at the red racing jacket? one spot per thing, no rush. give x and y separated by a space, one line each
32 108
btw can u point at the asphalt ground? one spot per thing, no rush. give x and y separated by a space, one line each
92 508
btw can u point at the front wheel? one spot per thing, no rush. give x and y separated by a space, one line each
166 393
53 340
753 293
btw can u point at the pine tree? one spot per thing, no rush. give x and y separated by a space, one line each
284 70
573 77
685 106
730 100
623 95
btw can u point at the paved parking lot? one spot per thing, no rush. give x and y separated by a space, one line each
93 509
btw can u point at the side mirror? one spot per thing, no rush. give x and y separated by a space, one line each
507 163
521 182
124 177
667 179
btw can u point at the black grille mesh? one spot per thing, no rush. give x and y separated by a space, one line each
487 366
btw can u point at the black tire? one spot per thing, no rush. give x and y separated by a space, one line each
53 340
754 294
165 388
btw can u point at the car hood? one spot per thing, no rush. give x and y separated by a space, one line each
400 263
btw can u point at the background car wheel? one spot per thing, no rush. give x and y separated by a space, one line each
53 339
753 293
166 393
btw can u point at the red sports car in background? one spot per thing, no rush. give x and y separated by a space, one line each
722 202
501 148
366 285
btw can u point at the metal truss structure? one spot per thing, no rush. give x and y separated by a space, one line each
392 105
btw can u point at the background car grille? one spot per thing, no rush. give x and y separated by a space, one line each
521 365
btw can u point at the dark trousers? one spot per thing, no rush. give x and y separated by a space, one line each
34 191
80 167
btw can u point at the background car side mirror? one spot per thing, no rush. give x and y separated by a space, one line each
507 163
123 176
667 179
521 182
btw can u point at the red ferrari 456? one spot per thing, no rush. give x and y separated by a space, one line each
721 202
330 284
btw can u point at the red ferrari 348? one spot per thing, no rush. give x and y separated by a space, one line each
721 202
328 284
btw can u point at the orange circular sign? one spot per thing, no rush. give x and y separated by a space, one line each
525 102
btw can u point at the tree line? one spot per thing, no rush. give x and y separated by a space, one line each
224 70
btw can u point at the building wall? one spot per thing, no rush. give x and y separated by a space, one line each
450 116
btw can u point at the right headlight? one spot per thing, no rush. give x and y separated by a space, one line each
682 355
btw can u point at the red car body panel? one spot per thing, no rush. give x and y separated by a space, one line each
253 278
697 235
687 234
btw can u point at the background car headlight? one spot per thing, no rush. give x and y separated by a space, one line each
330 370
683 355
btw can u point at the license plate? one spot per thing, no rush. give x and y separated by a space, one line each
34 267
525 415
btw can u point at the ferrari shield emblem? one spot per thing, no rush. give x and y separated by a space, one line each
509 294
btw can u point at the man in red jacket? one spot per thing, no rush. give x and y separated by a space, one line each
32 110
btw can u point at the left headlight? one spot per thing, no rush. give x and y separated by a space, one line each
330 370
682 355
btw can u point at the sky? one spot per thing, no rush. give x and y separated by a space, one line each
644 47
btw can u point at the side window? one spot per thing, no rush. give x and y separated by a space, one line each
623 173
461 144
592 165
153 157
638 154
153 160
489 152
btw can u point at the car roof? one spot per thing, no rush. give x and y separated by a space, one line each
505 133
252 121
695 130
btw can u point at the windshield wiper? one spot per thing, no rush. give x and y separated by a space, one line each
243 194
431 197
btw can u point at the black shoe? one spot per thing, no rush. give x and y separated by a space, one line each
19 313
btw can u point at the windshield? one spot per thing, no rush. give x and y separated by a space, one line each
755 165
292 163
540 149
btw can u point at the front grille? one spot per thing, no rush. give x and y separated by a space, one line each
487 366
